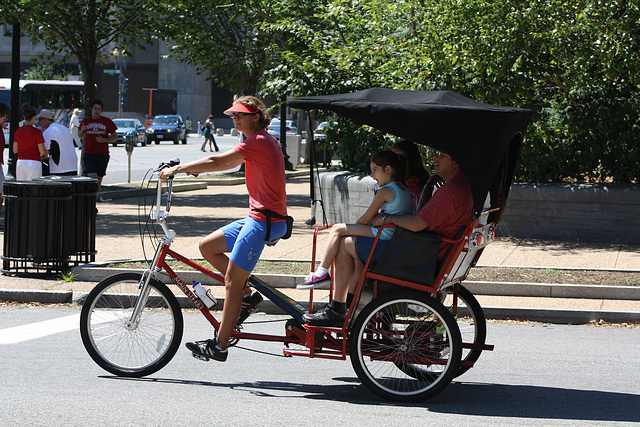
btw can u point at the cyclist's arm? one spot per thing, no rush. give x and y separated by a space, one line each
217 162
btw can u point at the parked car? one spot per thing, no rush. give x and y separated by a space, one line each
167 128
274 128
321 131
130 127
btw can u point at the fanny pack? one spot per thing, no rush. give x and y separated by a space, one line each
271 214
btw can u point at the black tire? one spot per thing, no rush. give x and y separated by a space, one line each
405 346
177 141
157 141
119 350
471 322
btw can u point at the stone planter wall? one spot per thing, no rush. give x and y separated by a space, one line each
607 213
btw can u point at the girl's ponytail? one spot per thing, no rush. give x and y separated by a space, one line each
397 162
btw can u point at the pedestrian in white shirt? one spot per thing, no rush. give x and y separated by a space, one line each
58 141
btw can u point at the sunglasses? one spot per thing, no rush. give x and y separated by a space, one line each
241 115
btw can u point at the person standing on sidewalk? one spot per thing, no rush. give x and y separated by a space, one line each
98 131
4 115
74 124
58 141
28 144
245 238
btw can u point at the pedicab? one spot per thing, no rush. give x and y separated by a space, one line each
411 328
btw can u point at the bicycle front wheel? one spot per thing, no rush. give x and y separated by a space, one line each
405 347
118 347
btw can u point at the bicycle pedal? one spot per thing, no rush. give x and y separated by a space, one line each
200 357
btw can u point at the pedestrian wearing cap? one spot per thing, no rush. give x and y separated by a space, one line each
74 125
58 141
28 144
243 239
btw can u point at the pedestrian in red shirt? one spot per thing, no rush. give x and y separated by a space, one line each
98 132
28 144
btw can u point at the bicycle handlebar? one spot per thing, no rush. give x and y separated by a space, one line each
160 216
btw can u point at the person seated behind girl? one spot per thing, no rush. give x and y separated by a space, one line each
416 174
388 170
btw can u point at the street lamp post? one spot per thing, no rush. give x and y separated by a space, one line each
120 66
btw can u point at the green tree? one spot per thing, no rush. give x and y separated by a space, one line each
44 71
81 28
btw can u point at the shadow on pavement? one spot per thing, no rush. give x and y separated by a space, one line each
475 399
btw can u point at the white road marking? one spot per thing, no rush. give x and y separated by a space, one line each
39 329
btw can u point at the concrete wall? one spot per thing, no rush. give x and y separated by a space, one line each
345 196
194 91
605 213
573 212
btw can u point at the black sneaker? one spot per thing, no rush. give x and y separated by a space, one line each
206 350
249 304
326 316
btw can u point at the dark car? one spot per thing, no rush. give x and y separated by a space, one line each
167 128
127 128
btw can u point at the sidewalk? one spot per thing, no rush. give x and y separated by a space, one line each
196 213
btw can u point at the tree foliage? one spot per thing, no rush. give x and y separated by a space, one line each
81 28
575 63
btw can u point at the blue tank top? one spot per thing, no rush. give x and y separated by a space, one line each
401 204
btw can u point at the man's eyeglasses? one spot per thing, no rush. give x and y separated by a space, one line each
241 115
440 154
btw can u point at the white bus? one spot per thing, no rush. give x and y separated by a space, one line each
57 95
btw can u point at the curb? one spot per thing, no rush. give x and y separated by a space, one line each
94 273
546 315
91 272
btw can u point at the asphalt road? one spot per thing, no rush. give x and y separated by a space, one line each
145 158
537 375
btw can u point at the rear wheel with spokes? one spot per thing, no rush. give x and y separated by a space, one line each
405 347
471 322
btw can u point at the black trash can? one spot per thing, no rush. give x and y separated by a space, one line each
79 235
33 236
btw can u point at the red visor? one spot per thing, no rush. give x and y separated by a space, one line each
240 108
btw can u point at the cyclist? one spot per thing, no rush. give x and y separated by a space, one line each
245 238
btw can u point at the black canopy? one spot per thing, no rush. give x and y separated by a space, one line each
475 134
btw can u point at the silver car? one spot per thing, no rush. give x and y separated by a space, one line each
130 127
274 128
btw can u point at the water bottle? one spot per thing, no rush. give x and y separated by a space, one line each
204 294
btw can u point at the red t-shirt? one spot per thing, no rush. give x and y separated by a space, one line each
448 210
2 144
103 127
28 139
264 173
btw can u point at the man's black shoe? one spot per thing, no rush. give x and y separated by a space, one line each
325 317
206 350
249 304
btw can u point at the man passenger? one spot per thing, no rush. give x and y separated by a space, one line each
445 213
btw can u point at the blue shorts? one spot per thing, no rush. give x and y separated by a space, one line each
96 163
245 240
363 247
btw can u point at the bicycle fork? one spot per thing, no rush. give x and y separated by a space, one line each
143 285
